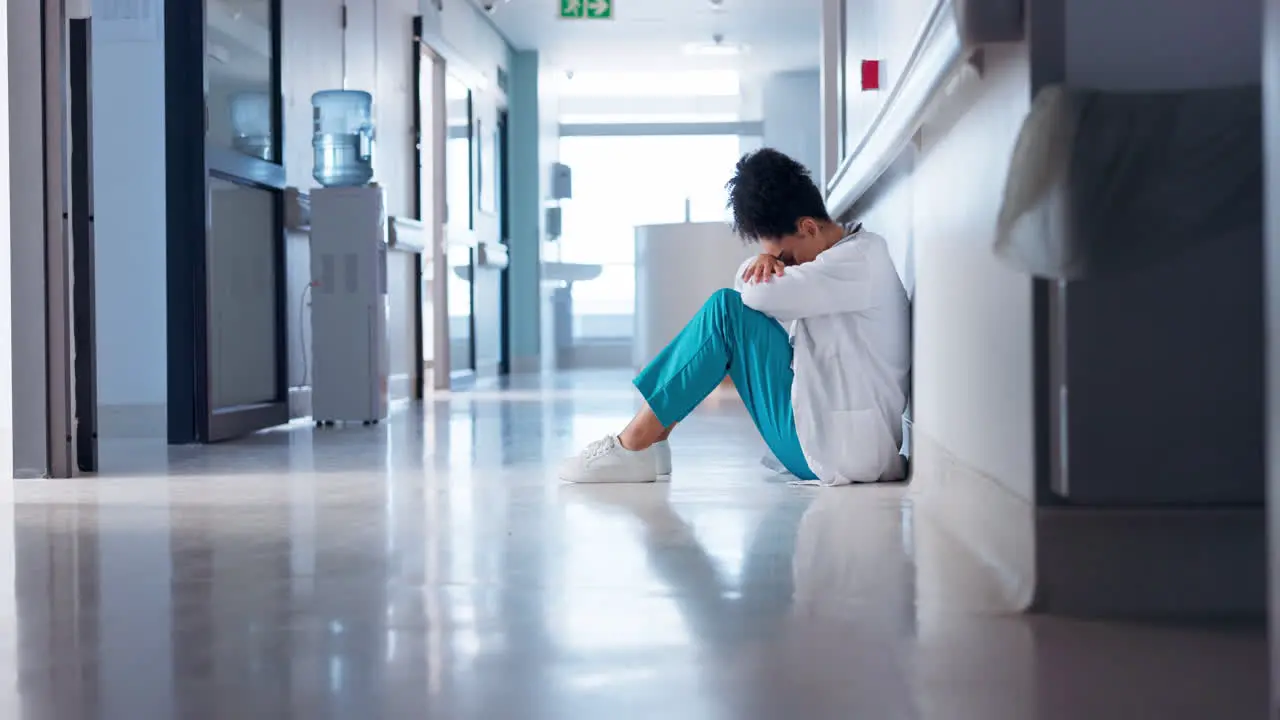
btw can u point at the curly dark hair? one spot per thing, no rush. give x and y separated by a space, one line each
769 194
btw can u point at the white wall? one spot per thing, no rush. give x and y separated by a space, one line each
972 402
388 41
129 195
973 325
972 370
792 109
6 323
883 30
27 248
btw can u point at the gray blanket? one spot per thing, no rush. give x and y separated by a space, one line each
1106 182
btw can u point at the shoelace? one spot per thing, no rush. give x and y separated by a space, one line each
600 447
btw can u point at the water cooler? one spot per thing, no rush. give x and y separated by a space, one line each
251 124
349 307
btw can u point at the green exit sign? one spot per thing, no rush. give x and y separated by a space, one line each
592 9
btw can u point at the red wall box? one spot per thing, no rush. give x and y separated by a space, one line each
870 74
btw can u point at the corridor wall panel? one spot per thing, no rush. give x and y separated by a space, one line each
129 181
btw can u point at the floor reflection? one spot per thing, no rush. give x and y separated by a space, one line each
432 567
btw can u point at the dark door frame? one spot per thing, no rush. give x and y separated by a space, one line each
84 308
190 164
419 298
504 224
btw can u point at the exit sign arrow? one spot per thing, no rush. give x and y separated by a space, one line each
586 9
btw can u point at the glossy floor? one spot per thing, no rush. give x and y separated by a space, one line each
433 567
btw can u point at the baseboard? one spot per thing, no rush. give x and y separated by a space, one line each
133 421
299 402
488 369
992 524
524 364
400 387
597 355
1152 563
1090 562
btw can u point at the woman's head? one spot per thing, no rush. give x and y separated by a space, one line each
776 203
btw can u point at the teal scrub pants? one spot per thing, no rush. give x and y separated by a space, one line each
727 337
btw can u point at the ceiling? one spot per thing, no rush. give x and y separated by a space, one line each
239 41
651 35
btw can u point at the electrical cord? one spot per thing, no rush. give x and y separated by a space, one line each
302 334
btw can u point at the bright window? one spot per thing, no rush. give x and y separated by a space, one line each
622 182
606 118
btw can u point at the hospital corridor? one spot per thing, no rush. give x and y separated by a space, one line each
687 359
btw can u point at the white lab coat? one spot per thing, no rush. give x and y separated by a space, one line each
850 323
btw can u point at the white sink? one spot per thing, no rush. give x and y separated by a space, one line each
552 272
559 272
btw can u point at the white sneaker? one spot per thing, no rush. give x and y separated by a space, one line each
662 457
606 461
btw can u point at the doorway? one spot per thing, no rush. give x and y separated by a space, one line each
449 181
430 108
459 221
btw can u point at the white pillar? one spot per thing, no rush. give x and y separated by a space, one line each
669 293
831 42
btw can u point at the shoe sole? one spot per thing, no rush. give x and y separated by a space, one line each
608 481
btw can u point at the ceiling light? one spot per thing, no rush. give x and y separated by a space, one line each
715 49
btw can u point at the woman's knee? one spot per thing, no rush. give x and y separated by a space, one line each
721 307
724 299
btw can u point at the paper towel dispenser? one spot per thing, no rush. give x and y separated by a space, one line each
554 223
561 182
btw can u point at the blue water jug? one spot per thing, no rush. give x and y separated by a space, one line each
343 137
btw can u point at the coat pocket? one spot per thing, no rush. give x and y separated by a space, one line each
859 444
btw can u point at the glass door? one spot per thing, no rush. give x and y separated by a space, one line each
425 205
227 331
460 183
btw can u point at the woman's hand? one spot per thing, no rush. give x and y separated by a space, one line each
762 269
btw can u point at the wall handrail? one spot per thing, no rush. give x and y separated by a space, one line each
937 52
